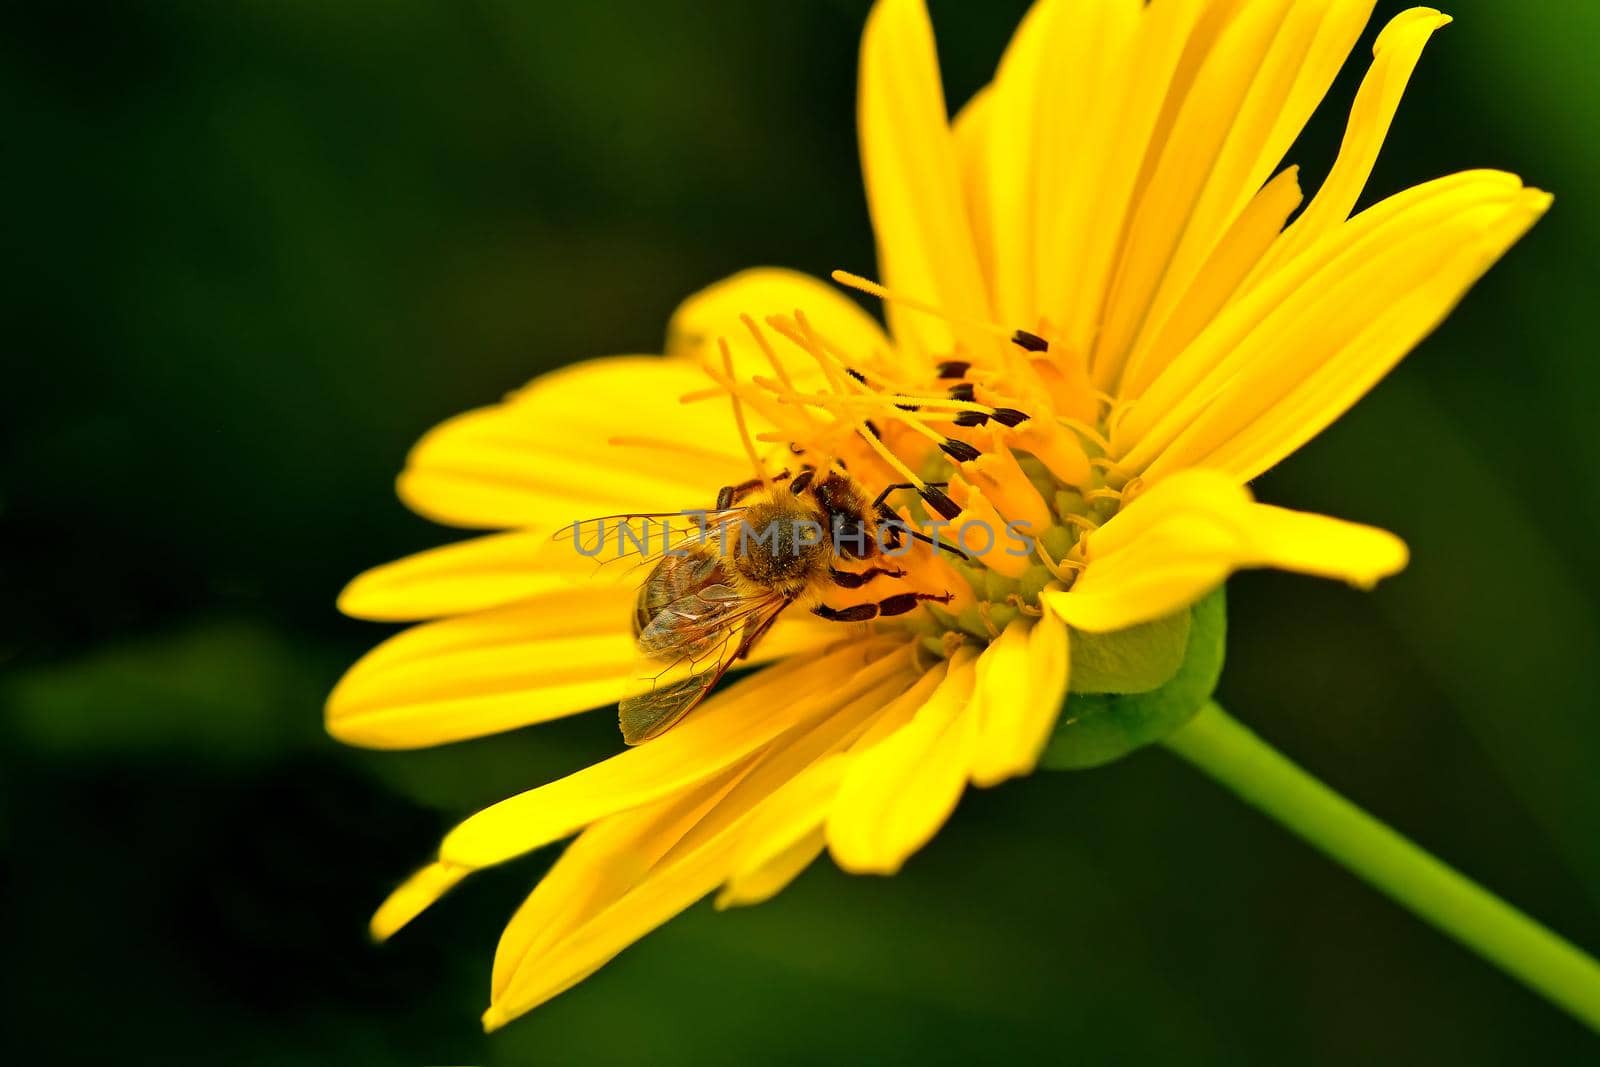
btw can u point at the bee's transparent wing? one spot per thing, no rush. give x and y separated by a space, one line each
686 649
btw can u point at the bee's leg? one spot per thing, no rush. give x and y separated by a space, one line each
857 579
898 604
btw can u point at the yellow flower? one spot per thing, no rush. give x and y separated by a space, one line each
1102 325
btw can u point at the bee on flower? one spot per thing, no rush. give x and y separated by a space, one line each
1109 307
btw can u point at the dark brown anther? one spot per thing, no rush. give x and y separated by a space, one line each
1030 341
908 407
940 503
872 428
857 375
971 418
1009 416
954 368
959 451
961 392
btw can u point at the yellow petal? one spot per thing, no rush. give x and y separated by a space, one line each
1081 83
715 312
601 865
790 815
414 896
1346 280
700 855
794 812
724 730
480 674
596 438
919 214
896 794
1021 682
552 655
972 135
1005 215
1170 39
657 898
1395 56
485 572
1184 536
1322 546
1319 355
1251 96
1232 261
765 881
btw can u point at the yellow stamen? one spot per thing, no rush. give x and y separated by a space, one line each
738 417
871 288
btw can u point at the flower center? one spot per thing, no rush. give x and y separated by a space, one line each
996 452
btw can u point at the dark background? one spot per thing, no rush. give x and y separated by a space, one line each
258 247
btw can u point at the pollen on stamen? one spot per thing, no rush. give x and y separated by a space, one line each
1010 416
937 500
959 451
1031 342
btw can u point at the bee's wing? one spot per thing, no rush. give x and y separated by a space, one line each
623 547
686 649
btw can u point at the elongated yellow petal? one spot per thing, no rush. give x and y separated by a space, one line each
1006 154
480 674
972 136
657 898
595 438
485 572
1271 66
1081 83
1311 368
1198 133
1395 56
414 896
598 920
761 883
1183 537
724 730
919 213
1317 301
1021 682
551 655
1171 37
601 865
1232 261
794 813
896 794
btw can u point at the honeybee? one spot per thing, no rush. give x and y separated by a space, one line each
716 589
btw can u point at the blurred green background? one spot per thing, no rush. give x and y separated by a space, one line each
258 247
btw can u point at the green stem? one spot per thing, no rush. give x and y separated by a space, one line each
1230 753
